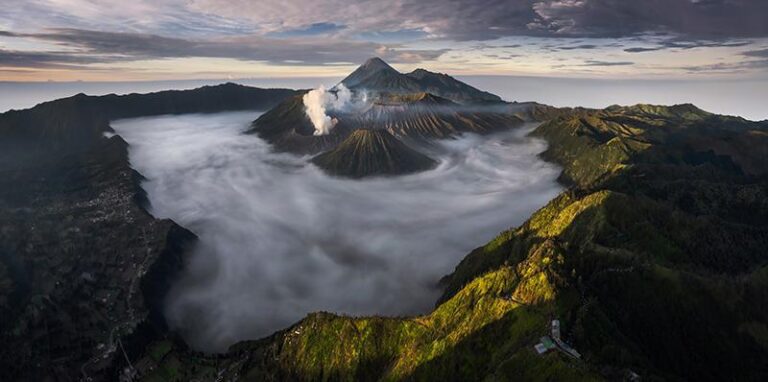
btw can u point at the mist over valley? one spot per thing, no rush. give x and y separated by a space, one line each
411 190
279 238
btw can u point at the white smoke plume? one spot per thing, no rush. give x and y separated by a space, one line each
318 101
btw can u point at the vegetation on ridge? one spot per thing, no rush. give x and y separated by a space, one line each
653 260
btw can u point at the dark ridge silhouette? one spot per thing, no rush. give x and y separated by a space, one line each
82 264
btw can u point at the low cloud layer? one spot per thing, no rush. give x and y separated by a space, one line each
279 239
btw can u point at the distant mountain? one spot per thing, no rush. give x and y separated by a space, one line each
427 116
686 111
78 121
420 105
368 152
414 115
376 75
446 86
660 134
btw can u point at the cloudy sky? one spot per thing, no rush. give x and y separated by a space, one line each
182 39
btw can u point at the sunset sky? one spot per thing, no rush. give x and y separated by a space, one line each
120 40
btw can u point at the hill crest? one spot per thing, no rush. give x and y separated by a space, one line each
377 76
372 152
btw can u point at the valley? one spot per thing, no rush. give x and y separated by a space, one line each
655 248
144 240
278 238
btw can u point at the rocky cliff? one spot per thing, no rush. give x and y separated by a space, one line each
84 268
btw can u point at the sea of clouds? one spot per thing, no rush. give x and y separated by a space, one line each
279 238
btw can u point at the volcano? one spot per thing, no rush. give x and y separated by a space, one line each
417 106
369 152
377 76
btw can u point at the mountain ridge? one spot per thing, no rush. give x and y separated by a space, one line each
370 67
82 262
378 76
420 105
652 259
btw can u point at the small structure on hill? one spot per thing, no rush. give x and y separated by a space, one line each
556 329
545 345
555 342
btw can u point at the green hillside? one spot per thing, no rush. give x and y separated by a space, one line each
654 261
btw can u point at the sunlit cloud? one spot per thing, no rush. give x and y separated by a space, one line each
560 37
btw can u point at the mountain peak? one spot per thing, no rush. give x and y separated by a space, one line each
372 152
376 64
420 72
373 67
377 76
685 111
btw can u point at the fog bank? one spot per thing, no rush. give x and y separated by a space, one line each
280 239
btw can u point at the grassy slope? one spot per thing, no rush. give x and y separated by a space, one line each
654 260
667 248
